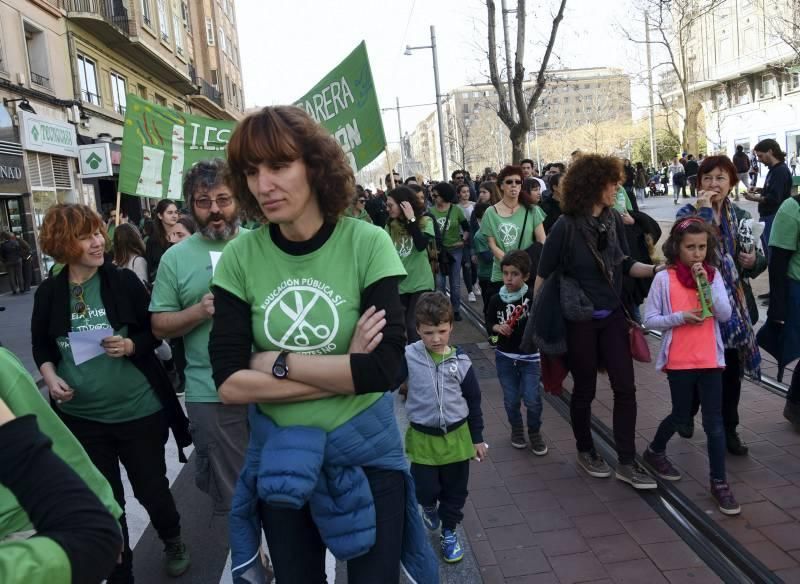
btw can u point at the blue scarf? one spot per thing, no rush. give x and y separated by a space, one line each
509 297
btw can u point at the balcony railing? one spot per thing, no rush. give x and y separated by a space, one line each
40 80
112 11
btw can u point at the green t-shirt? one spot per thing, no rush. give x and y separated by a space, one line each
622 203
480 245
37 559
418 268
363 216
309 303
452 236
506 231
106 389
19 392
184 276
785 234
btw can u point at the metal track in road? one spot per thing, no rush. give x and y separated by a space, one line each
729 560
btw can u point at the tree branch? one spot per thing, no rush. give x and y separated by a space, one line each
540 77
502 112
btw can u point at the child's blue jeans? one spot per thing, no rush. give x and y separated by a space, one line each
520 383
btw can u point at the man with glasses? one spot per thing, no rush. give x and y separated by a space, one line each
182 306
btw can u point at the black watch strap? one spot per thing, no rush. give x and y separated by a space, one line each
280 370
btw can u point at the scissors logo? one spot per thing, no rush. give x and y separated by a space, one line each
441 221
509 233
302 318
404 246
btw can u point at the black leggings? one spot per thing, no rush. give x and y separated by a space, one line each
298 552
731 391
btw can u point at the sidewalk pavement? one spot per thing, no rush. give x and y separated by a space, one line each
15 327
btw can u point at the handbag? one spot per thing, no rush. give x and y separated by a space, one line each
640 350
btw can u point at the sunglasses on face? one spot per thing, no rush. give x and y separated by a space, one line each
205 202
511 181
80 305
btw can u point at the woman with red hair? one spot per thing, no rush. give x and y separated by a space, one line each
119 403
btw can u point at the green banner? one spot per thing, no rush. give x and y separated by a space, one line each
159 143
346 104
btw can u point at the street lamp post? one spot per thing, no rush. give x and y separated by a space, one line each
432 46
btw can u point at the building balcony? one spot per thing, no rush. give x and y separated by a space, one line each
110 22
209 99
40 80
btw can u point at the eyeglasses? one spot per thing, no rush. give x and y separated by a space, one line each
80 305
511 181
205 202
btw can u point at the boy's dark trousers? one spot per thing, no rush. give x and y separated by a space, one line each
446 484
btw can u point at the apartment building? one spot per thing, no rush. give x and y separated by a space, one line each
745 69
66 67
477 139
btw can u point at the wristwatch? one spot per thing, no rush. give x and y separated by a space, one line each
412 220
280 370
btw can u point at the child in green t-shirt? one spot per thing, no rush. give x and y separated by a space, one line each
445 432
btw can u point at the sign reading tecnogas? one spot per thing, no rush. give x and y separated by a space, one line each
41 134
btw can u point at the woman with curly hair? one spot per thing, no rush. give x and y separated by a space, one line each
411 232
316 294
118 404
587 243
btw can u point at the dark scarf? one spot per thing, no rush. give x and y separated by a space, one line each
686 277
593 229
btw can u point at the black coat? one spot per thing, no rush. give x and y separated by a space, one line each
635 290
126 302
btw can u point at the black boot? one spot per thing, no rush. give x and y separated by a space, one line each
734 444
791 411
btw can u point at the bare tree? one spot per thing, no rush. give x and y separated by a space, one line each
520 125
671 25
783 17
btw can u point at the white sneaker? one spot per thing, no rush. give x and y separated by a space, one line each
471 297
476 289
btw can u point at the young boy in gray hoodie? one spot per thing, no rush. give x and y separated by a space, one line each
446 425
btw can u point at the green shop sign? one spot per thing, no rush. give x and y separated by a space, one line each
41 134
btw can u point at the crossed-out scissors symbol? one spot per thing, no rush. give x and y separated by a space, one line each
509 232
300 327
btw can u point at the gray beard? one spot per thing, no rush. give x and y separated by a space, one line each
227 232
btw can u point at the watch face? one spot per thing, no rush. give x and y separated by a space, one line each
279 370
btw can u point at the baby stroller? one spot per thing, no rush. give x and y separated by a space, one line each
654 186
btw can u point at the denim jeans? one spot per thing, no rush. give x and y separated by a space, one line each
520 383
454 275
707 383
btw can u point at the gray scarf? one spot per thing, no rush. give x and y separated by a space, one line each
594 230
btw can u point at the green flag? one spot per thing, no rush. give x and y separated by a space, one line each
159 143
346 104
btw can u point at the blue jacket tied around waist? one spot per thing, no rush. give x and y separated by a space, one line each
295 465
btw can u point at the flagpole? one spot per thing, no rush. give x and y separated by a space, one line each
119 201
389 166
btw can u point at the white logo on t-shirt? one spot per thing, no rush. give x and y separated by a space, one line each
508 233
404 246
441 221
301 319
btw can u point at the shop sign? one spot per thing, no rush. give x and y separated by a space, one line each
41 134
12 174
95 160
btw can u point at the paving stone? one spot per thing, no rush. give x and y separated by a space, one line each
578 568
782 464
764 449
789 574
509 537
499 516
491 497
562 470
650 531
570 486
784 497
631 509
616 548
635 572
548 520
535 501
524 484
785 437
486 480
762 479
581 505
514 468
672 555
597 525
741 530
771 555
484 554
559 543
522 561
492 575
764 513
785 535
699 575
543 578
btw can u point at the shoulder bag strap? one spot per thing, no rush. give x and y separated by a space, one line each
446 223
524 224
